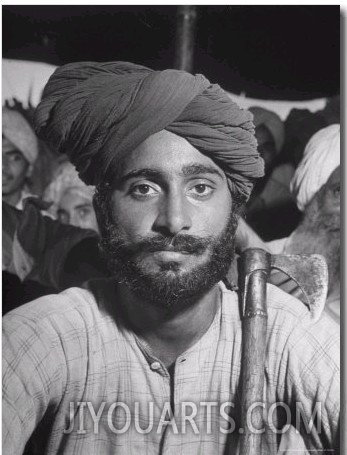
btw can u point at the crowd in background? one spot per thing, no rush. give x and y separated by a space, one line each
295 208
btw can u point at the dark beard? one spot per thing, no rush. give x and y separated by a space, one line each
169 286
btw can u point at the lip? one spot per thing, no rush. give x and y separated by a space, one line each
167 255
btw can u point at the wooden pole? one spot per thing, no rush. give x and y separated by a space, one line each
255 268
185 34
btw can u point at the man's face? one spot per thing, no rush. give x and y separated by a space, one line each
323 211
330 201
322 221
14 168
172 228
76 209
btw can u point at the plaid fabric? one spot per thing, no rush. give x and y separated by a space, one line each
73 347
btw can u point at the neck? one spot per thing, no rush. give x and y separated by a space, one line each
12 198
169 331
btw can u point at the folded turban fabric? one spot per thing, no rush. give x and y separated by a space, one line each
65 179
99 112
272 122
17 130
321 157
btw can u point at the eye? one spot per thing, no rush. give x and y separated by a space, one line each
83 213
143 191
16 157
336 190
201 191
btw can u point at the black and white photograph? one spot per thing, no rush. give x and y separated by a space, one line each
171 241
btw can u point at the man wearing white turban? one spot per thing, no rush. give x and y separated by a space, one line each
316 185
321 157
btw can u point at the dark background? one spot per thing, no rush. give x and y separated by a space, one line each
276 52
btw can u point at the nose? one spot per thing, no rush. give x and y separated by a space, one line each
173 216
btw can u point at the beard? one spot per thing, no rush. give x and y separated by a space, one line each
169 285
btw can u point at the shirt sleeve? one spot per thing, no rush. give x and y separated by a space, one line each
311 374
32 379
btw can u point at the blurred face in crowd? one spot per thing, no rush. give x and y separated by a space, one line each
14 168
322 221
330 199
171 231
266 146
76 209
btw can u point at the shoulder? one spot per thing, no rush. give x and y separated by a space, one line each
297 312
280 305
290 321
307 336
53 306
55 333
74 309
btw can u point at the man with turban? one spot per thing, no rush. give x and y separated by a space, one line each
20 150
269 131
316 187
120 365
71 199
321 157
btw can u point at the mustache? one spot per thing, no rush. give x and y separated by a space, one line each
182 243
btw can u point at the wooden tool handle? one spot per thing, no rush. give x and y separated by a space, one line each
255 268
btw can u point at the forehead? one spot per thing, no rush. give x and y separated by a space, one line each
167 153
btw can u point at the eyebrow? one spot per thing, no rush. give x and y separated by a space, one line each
147 173
187 171
196 168
13 151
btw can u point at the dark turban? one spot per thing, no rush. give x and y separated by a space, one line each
99 112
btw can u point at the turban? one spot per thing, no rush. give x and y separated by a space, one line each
99 112
321 157
272 122
65 178
17 130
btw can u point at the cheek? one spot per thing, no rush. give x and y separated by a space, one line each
18 170
91 223
331 206
133 218
211 219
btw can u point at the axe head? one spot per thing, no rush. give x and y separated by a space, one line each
301 275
